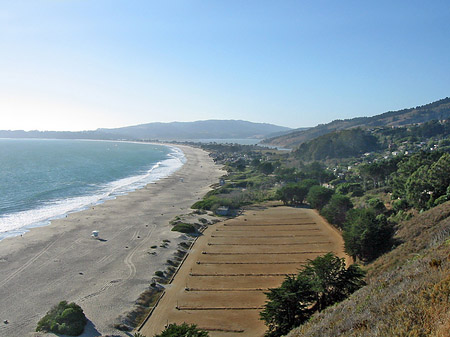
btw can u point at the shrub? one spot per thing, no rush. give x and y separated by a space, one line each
206 203
64 318
354 188
175 330
159 273
377 205
184 228
400 205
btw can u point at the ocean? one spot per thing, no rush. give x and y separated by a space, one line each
42 180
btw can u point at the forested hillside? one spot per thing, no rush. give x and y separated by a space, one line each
343 144
434 111
384 140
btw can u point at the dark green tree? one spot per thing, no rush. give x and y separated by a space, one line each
418 188
377 205
287 306
439 175
331 281
295 194
323 282
366 235
183 330
319 196
406 167
292 194
336 209
354 189
266 167
317 171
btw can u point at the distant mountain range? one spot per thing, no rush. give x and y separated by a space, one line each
209 129
239 129
436 110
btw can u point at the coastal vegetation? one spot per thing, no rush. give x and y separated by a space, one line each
182 330
322 282
407 291
372 183
439 110
184 228
64 318
375 191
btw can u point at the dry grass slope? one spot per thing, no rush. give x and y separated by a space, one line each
408 291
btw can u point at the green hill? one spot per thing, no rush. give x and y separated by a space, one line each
433 111
355 142
343 144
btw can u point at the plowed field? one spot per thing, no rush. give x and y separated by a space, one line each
221 285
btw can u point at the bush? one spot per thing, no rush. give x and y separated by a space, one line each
355 189
183 330
377 205
400 205
64 318
184 228
206 203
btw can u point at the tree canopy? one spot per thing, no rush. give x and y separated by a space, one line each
366 234
322 282
336 209
319 196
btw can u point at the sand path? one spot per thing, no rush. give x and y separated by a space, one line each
220 286
62 262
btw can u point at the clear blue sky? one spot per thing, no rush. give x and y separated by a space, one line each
84 64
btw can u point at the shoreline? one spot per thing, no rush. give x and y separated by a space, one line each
62 262
131 187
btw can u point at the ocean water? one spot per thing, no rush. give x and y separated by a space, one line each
42 180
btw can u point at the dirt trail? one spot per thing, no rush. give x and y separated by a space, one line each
221 285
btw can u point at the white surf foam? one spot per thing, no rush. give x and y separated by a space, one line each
20 222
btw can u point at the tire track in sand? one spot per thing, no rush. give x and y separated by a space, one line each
29 262
128 262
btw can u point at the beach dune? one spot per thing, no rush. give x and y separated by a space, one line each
105 277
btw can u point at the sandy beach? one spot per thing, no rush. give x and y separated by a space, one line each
105 277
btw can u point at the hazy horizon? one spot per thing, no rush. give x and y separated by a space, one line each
82 65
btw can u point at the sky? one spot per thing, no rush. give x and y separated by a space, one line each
86 64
